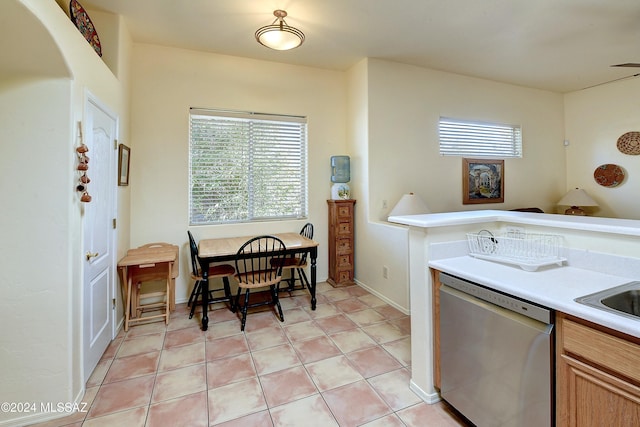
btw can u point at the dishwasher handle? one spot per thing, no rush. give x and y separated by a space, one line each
542 327
525 308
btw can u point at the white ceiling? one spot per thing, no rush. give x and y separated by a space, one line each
558 45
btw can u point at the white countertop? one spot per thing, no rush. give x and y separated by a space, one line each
554 287
629 227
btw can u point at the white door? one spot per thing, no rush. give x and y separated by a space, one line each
100 277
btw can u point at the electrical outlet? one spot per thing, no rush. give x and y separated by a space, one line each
385 271
384 204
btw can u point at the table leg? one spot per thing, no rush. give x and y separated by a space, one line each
127 311
204 287
314 256
123 287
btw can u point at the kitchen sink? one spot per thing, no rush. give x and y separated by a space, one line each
623 300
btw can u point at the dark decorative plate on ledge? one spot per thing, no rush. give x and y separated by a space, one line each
609 175
81 19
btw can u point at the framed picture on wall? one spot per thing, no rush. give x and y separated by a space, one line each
123 164
482 181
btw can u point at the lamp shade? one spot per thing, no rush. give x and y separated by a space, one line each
410 204
576 198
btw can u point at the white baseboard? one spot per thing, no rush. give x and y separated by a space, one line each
382 297
429 398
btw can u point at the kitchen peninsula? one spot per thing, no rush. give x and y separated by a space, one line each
601 253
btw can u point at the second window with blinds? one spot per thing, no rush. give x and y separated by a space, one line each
246 167
479 139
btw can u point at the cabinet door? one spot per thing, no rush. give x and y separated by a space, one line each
594 398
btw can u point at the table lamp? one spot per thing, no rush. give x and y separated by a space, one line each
576 198
410 204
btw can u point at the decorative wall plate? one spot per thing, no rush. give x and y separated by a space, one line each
629 143
609 175
81 19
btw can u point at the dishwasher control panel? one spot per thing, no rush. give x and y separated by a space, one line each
509 302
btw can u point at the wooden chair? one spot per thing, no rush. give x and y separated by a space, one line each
297 264
221 271
255 270
175 271
146 273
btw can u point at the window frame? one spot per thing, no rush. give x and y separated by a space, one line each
260 155
474 138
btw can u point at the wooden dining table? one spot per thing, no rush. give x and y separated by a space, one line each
226 249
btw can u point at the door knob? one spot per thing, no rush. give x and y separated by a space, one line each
90 255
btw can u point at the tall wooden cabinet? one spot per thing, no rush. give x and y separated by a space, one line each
341 242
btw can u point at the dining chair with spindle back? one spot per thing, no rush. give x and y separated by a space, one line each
297 264
254 270
219 271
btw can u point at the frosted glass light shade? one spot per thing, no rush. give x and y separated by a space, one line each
279 35
280 38
410 204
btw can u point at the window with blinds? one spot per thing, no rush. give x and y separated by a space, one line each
477 139
246 167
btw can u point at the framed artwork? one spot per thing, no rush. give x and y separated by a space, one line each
123 164
482 181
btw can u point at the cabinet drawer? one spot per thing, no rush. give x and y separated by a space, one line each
598 347
345 260
345 276
344 211
344 228
343 246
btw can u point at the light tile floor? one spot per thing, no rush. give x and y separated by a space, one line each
345 364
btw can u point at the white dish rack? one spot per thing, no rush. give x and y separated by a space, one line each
528 251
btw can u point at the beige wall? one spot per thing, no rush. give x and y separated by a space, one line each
396 152
166 82
405 105
595 119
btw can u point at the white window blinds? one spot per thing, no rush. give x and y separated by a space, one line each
246 167
469 138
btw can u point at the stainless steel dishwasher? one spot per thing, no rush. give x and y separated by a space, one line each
496 356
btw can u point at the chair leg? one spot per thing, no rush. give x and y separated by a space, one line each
196 291
244 309
303 278
227 293
292 280
276 300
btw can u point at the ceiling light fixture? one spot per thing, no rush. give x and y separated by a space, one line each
279 36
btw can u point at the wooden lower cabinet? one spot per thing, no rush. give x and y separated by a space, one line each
598 375
341 242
